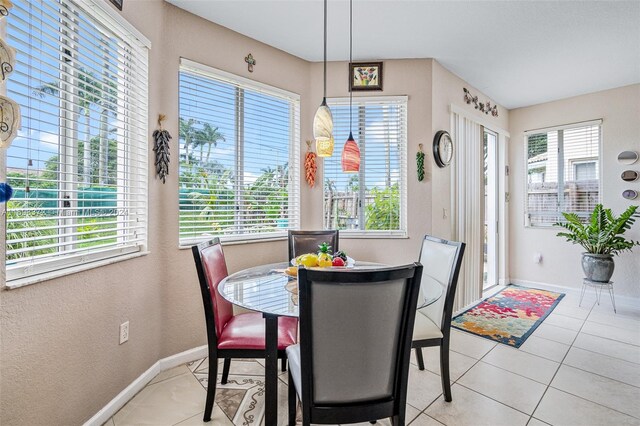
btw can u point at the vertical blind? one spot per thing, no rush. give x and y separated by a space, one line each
563 169
239 156
79 164
374 199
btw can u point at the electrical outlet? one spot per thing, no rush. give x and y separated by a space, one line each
124 332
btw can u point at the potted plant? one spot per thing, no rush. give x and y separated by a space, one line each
601 237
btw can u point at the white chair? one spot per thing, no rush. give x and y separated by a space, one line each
441 260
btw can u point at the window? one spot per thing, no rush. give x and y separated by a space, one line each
239 155
563 172
372 201
78 166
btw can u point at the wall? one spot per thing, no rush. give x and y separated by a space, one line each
620 111
60 359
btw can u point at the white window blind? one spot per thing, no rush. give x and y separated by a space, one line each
79 164
372 201
239 156
563 168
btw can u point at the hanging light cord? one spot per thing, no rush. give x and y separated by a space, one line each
325 53
350 61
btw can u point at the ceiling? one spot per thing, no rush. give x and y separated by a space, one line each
519 53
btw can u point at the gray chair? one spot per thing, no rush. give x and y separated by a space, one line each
301 242
441 260
352 362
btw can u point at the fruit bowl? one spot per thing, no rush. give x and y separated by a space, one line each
350 263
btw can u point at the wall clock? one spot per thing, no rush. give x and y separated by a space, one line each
442 148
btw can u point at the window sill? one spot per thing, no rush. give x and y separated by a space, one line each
189 244
372 235
22 282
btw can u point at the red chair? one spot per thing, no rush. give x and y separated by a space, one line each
231 336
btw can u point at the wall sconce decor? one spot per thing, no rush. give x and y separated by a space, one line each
5 5
487 108
9 121
7 59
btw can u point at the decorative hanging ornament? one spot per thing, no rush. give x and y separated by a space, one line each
7 59
420 163
5 5
6 192
310 166
161 140
9 121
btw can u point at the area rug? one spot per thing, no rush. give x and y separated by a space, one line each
509 316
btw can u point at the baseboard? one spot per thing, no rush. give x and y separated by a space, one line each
622 300
143 380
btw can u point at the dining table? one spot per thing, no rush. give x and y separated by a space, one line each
270 290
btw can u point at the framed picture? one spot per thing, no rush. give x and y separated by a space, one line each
365 76
117 3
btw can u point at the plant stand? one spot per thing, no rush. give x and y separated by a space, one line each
598 286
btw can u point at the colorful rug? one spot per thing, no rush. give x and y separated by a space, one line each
509 316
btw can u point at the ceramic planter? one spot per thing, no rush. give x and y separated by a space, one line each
597 267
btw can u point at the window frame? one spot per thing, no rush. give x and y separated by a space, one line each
294 153
20 273
402 232
560 169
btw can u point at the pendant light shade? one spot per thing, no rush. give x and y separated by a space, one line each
323 120
350 156
323 130
350 151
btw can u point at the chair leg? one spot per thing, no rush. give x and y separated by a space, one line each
444 370
397 420
225 371
211 387
292 401
284 364
419 357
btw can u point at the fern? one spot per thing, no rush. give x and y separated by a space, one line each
602 234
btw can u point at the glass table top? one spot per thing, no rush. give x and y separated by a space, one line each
268 289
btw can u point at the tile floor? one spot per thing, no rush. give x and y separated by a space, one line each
581 367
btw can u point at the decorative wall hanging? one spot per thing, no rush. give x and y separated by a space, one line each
9 121
161 140
310 166
5 5
250 62
350 152
627 157
420 163
629 176
7 59
630 194
6 192
323 120
487 108
117 3
365 76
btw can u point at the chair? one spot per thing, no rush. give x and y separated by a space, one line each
352 363
301 242
441 260
231 336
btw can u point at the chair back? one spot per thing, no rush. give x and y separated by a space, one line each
441 260
212 268
355 341
301 242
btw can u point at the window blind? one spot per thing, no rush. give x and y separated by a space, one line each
79 164
372 201
239 156
563 168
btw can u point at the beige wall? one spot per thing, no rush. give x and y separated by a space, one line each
60 359
620 112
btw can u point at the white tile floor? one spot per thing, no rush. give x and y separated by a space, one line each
581 367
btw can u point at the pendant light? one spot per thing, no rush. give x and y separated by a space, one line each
323 120
350 152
